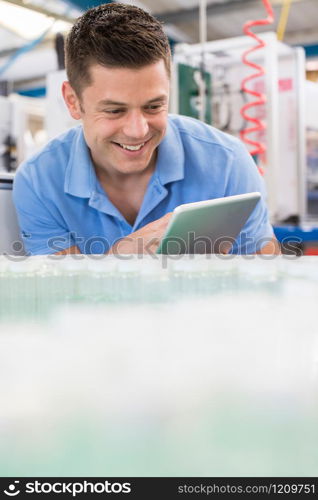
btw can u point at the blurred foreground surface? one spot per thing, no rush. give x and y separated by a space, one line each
199 366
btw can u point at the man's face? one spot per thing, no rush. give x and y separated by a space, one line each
124 114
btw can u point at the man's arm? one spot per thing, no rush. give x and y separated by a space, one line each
145 240
41 229
71 250
243 177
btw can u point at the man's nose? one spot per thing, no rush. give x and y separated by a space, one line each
136 125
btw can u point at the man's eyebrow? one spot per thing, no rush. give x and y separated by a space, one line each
109 102
160 98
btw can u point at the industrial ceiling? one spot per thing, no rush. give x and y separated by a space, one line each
225 18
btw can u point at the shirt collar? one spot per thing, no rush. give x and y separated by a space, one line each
170 160
80 178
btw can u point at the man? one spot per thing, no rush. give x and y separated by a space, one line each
110 185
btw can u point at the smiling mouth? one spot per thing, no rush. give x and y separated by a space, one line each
131 147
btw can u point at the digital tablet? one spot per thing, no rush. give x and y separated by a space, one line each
209 226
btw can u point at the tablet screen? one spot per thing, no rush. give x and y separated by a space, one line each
209 226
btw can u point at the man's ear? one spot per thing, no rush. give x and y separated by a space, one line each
71 101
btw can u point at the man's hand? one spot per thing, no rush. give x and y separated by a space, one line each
272 247
145 240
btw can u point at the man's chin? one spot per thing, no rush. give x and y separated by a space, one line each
132 168
132 165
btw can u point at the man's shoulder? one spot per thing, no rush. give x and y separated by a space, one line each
195 130
53 156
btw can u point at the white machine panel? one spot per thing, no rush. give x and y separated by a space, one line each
58 119
5 125
10 241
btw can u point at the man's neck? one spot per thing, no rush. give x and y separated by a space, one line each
123 182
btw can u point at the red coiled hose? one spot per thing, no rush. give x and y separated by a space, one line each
259 148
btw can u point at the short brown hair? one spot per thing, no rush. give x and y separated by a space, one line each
113 35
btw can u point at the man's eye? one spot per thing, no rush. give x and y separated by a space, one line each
154 107
113 111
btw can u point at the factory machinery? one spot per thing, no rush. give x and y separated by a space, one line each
210 75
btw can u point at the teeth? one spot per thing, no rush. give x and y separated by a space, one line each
132 148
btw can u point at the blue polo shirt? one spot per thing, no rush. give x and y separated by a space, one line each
60 202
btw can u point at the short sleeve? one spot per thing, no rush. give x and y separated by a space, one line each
245 178
40 231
